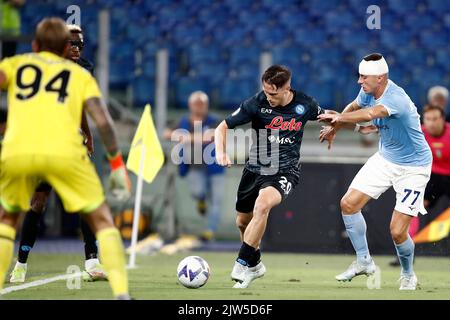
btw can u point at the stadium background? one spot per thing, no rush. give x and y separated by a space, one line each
219 47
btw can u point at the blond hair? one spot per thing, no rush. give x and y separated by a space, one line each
52 35
74 28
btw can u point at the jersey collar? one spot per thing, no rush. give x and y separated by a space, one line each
49 55
294 94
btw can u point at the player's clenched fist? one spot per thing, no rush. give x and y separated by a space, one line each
119 182
223 159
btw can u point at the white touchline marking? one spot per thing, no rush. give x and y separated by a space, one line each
41 282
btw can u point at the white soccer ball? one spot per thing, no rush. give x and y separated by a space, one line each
193 272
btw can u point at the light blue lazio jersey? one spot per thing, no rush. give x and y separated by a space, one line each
401 139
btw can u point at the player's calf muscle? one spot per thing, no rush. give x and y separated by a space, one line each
241 224
99 219
8 219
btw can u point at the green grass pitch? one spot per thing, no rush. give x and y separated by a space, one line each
289 276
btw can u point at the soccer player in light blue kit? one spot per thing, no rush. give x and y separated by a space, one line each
403 161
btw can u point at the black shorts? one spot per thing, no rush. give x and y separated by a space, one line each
438 186
43 187
252 182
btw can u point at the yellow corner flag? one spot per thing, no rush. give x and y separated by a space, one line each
438 229
145 146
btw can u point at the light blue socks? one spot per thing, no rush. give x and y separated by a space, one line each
405 253
356 230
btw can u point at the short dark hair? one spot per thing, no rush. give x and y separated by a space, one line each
430 107
276 75
373 57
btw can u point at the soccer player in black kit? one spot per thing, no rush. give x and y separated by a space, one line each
278 115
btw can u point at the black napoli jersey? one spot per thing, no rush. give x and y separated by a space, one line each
86 64
277 131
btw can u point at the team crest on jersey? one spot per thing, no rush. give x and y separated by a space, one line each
300 109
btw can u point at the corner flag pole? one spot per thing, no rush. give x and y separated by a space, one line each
145 163
137 202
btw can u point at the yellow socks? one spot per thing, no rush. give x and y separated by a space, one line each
7 236
112 256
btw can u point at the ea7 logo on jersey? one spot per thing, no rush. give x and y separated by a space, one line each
265 110
285 185
279 140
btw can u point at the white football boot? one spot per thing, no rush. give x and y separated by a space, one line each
19 273
93 271
252 273
357 269
238 272
408 282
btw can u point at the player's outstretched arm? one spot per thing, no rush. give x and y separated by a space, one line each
220 140
362 115
329 132
119 181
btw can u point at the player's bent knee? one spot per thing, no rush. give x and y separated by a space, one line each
398 234
347 206
99 219
262 208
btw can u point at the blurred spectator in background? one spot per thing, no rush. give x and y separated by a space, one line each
205 178
438 96
437 134
10 24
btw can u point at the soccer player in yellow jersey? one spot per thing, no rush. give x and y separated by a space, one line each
31 223
46 96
